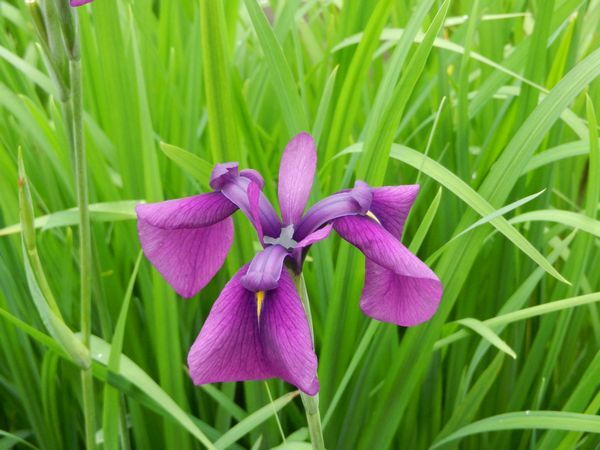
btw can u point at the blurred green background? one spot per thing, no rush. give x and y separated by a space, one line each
489 105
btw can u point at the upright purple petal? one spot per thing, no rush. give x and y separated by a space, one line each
187 240
391 205
403 300
296 173
399 287
235 344
265 269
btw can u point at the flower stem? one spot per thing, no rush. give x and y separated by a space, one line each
57 30
313 417
311 403
85 247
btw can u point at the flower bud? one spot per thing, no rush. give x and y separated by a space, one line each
38 21
49 35
69 26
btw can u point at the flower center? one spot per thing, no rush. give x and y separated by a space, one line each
285 238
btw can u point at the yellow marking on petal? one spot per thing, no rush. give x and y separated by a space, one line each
260 296
372 216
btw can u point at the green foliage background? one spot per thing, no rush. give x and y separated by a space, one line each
483 103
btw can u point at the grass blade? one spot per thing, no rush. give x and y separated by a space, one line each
568 218
253 420
527 313
523 420
99 212
192 164
488 334
279 70
112 414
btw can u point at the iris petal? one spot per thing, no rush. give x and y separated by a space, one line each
228 346
399 287
346 203
234 185
391 205
253 203
286 339
253 175
187 240
188 212
296 173
222 174
234 345
402 300
315 236
265 269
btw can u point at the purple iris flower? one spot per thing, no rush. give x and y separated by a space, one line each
257 327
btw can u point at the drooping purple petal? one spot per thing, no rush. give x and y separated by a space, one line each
188 258
286 338
235 344
315 236
296 172
228 347
378 245
265 269
187 240
391 205
79 2
188 212
399 287
345 203
403 300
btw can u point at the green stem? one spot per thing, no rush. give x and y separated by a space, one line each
57 30
311 403
87 387
85 246
313 418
